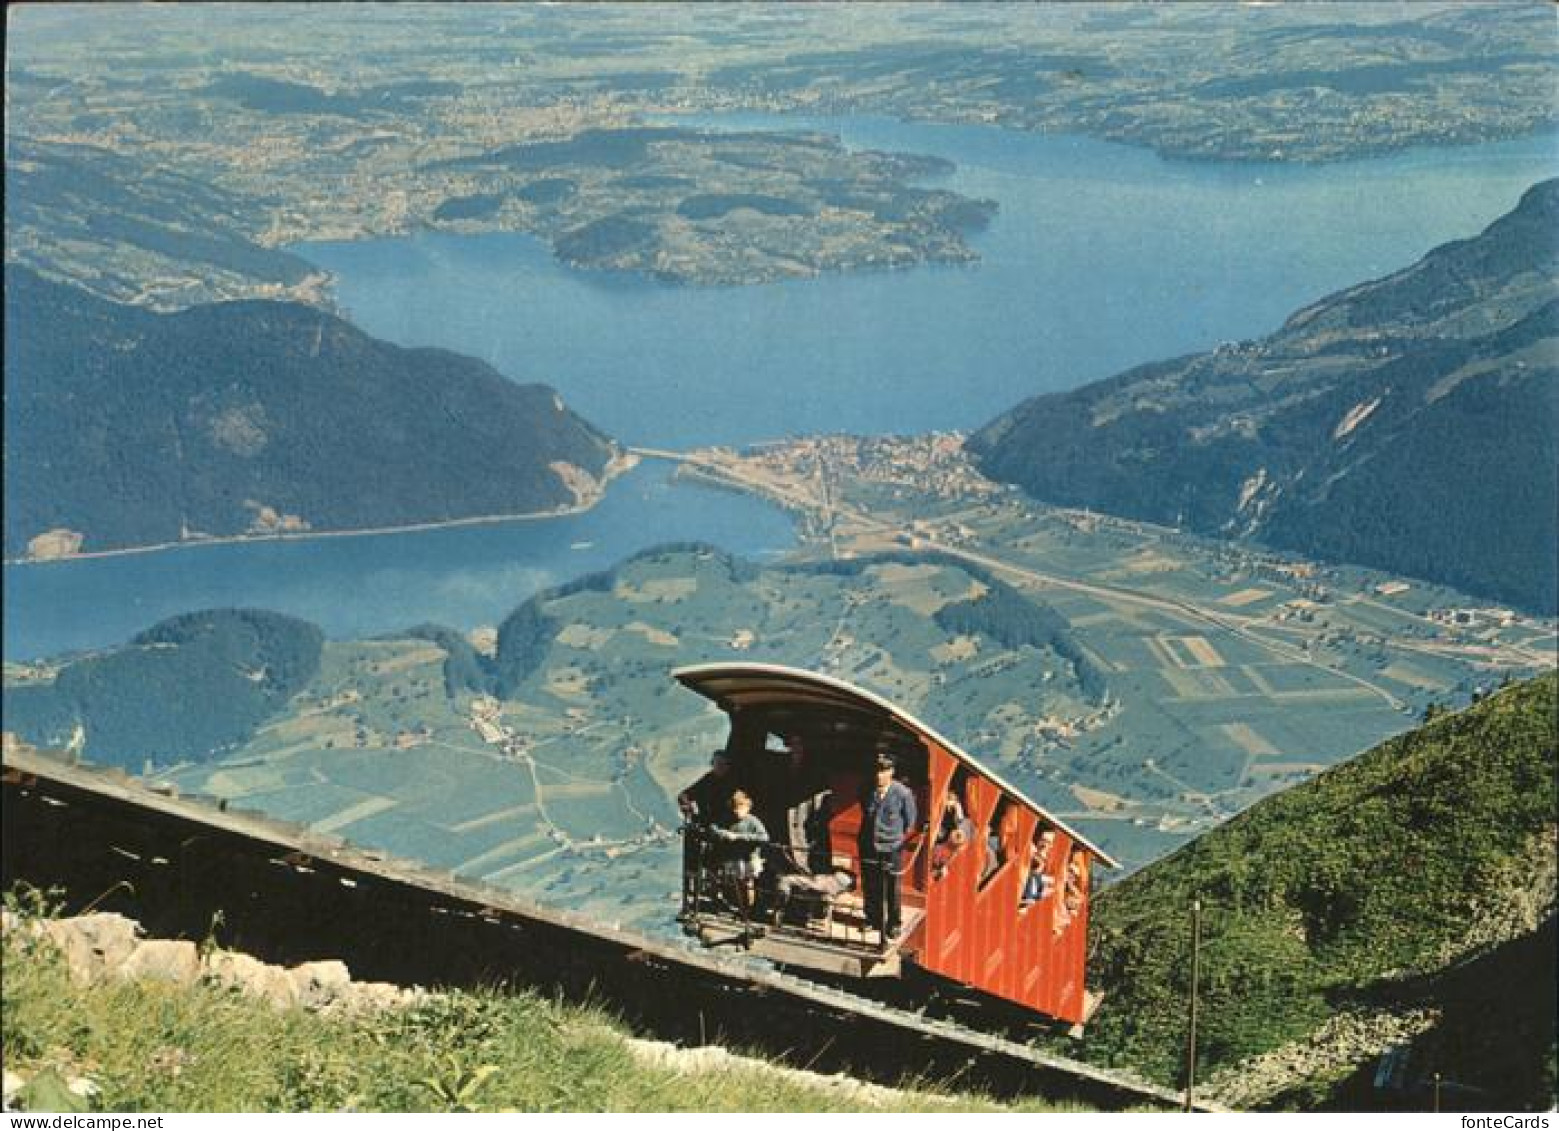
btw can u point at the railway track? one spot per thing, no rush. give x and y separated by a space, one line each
287 894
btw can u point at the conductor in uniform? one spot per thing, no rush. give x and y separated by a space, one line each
887 818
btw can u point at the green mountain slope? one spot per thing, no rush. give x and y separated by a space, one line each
134 428
188 689
1410 424
1353 913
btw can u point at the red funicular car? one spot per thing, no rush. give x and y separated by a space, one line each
995 890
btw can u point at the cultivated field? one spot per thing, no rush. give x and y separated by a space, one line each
1227 675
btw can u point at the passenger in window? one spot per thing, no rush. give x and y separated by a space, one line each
1036 887
953 816
942 855
1076 882
1000 836
993 855
1039 883
1074 892
954 831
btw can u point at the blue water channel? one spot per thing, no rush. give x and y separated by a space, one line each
462 576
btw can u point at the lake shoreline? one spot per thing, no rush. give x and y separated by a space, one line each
615 467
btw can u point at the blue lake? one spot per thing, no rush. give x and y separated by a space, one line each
1101 257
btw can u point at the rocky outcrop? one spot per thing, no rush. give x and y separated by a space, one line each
708 1060
106 947
1346 1041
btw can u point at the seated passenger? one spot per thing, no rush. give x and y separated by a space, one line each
803 895
827 885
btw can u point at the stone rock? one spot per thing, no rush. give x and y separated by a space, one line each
1347 1039
317 985
248 975
13 1088
94 946
372 997
163 960
709 1060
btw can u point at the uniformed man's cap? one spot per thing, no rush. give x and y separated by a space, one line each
885 761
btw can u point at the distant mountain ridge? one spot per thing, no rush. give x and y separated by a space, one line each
1410 423
126 427
133 233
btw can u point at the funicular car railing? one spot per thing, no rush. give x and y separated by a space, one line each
790 899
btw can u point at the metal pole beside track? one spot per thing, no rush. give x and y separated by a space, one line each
1196 962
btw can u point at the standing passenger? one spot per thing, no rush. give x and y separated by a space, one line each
709 798
806 813
702 803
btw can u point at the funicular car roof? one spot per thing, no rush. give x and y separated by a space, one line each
741 686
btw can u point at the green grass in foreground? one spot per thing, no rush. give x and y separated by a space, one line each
152 1046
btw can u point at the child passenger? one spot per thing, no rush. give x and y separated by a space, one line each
741 841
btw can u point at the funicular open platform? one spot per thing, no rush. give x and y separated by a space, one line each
803 748
1005 912
824 931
